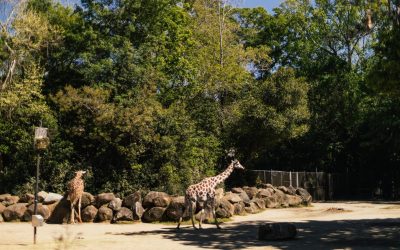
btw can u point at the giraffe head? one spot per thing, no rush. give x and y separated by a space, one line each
236 164
79 173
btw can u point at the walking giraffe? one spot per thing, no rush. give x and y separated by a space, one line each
204 193
75 191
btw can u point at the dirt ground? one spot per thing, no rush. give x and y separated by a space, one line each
341 225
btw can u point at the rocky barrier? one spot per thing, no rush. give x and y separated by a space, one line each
154 206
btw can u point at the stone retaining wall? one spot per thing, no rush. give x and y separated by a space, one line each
155 206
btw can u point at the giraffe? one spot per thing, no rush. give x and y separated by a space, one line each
75 191
204 193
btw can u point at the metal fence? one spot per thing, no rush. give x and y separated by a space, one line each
338 186
318 184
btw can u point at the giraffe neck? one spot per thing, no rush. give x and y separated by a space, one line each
224 175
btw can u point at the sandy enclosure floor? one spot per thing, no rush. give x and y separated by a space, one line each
342 225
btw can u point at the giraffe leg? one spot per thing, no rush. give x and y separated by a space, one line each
201 217
79 210
214 215
191 208
72 216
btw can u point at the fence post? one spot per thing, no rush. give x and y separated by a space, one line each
297 179
271 177
290 177
265 177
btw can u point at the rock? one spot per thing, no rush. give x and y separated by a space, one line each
10 200
42 196
27 198
252 208
15 212
156 199
260 203
153 214
176 208
52 198
89 213
225 209
2 207
251 191
305 196
1 218
291 190
104 214
60 211
277 231
3 197
124 214
239 208
219 194
264 193
104 198
237 190
232 197
43 210
293 200
115 204
271 202
283 189
267 185
281 198
138 211
130 200
87 199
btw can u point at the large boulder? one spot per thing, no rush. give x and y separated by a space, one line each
52 198
104 214
3 197
271 202
87 199
277 231
252 208
225 209
42 196
291 190
138 211
281 198
250 191
89 213
294 200
104 198
2 208
264 193
259 202
115 204
43 210
130 200
232 197
153 214
10 200
176 208
124 214
239 208
219 194
242 194
27 198
15 212
305 196
59 211
156 199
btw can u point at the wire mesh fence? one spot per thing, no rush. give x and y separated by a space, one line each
337 186
316 183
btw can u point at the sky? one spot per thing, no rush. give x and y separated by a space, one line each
267 4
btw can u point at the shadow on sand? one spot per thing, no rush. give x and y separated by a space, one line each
341 234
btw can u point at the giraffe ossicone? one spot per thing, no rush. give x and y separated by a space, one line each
204 193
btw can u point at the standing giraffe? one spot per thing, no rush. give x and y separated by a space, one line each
204 193
75 191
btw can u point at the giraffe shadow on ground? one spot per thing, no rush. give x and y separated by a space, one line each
341 234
